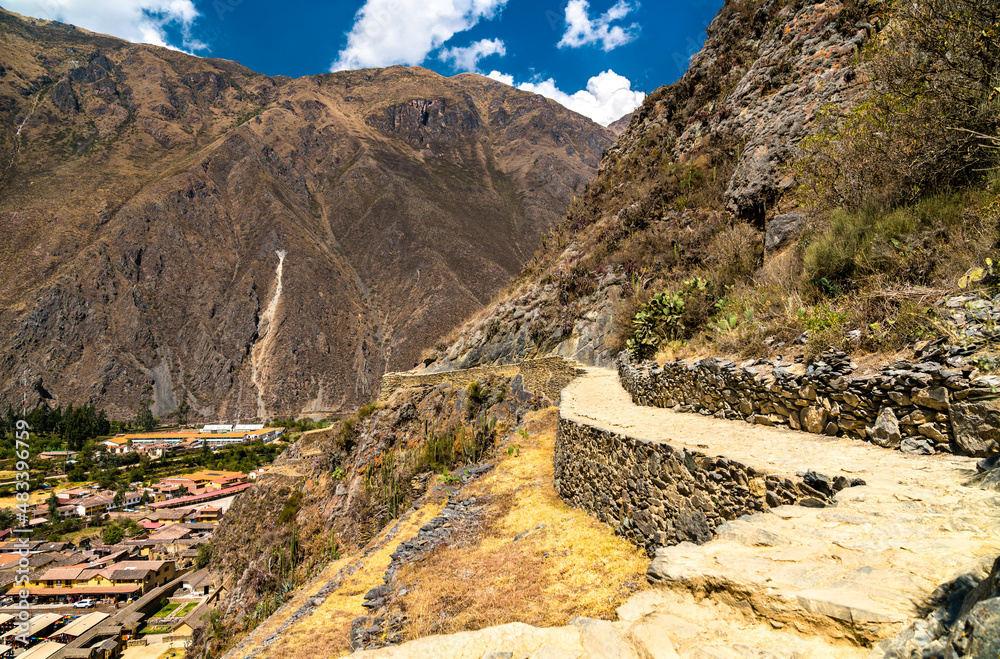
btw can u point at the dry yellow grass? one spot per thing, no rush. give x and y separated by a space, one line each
567 564
276 620
38 496
326 632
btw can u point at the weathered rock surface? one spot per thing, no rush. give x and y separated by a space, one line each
759 82
967 624
977 426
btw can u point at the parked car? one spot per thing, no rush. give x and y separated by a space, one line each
85 603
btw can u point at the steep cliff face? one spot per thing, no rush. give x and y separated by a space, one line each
180 227
698 157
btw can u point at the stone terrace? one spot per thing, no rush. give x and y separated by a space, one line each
856 569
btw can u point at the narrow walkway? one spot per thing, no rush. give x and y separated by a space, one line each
864 565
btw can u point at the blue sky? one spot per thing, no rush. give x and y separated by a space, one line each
598 58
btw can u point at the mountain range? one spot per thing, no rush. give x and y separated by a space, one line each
180 228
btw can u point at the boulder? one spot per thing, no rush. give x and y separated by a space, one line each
935 398
781 228
814 418
976 426
885 432
916 446
977 637
976 633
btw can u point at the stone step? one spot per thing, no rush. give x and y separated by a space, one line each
858 567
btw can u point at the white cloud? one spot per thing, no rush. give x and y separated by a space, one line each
387 32
143 21
467 59
581 30
608 96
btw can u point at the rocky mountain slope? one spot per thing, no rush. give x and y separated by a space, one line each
700 179
178 227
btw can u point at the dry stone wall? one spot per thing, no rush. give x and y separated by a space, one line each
548 375
918 407
655 494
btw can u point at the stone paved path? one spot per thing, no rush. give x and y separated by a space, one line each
860 567
793 582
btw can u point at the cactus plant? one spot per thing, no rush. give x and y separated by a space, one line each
659 320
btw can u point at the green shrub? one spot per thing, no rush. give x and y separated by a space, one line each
931 114
291 508
670 316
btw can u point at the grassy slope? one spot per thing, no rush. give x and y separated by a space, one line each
565 563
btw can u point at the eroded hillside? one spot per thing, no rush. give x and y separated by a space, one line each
180 227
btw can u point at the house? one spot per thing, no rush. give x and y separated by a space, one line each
109 648
200 583
216 428
185 628
170 516
132 499
121 579
117 445
69 494
96 505
207 480
208 514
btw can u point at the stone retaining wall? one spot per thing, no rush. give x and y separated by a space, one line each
922 407
548 375
654 494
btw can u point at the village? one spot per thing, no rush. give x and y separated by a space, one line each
140 583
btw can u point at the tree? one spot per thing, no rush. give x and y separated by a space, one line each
144 418
112 534
53 508
145 498
119 499
7 518
182 410
204 556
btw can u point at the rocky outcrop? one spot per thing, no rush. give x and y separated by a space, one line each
698 156
966 626
917 407
765 73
